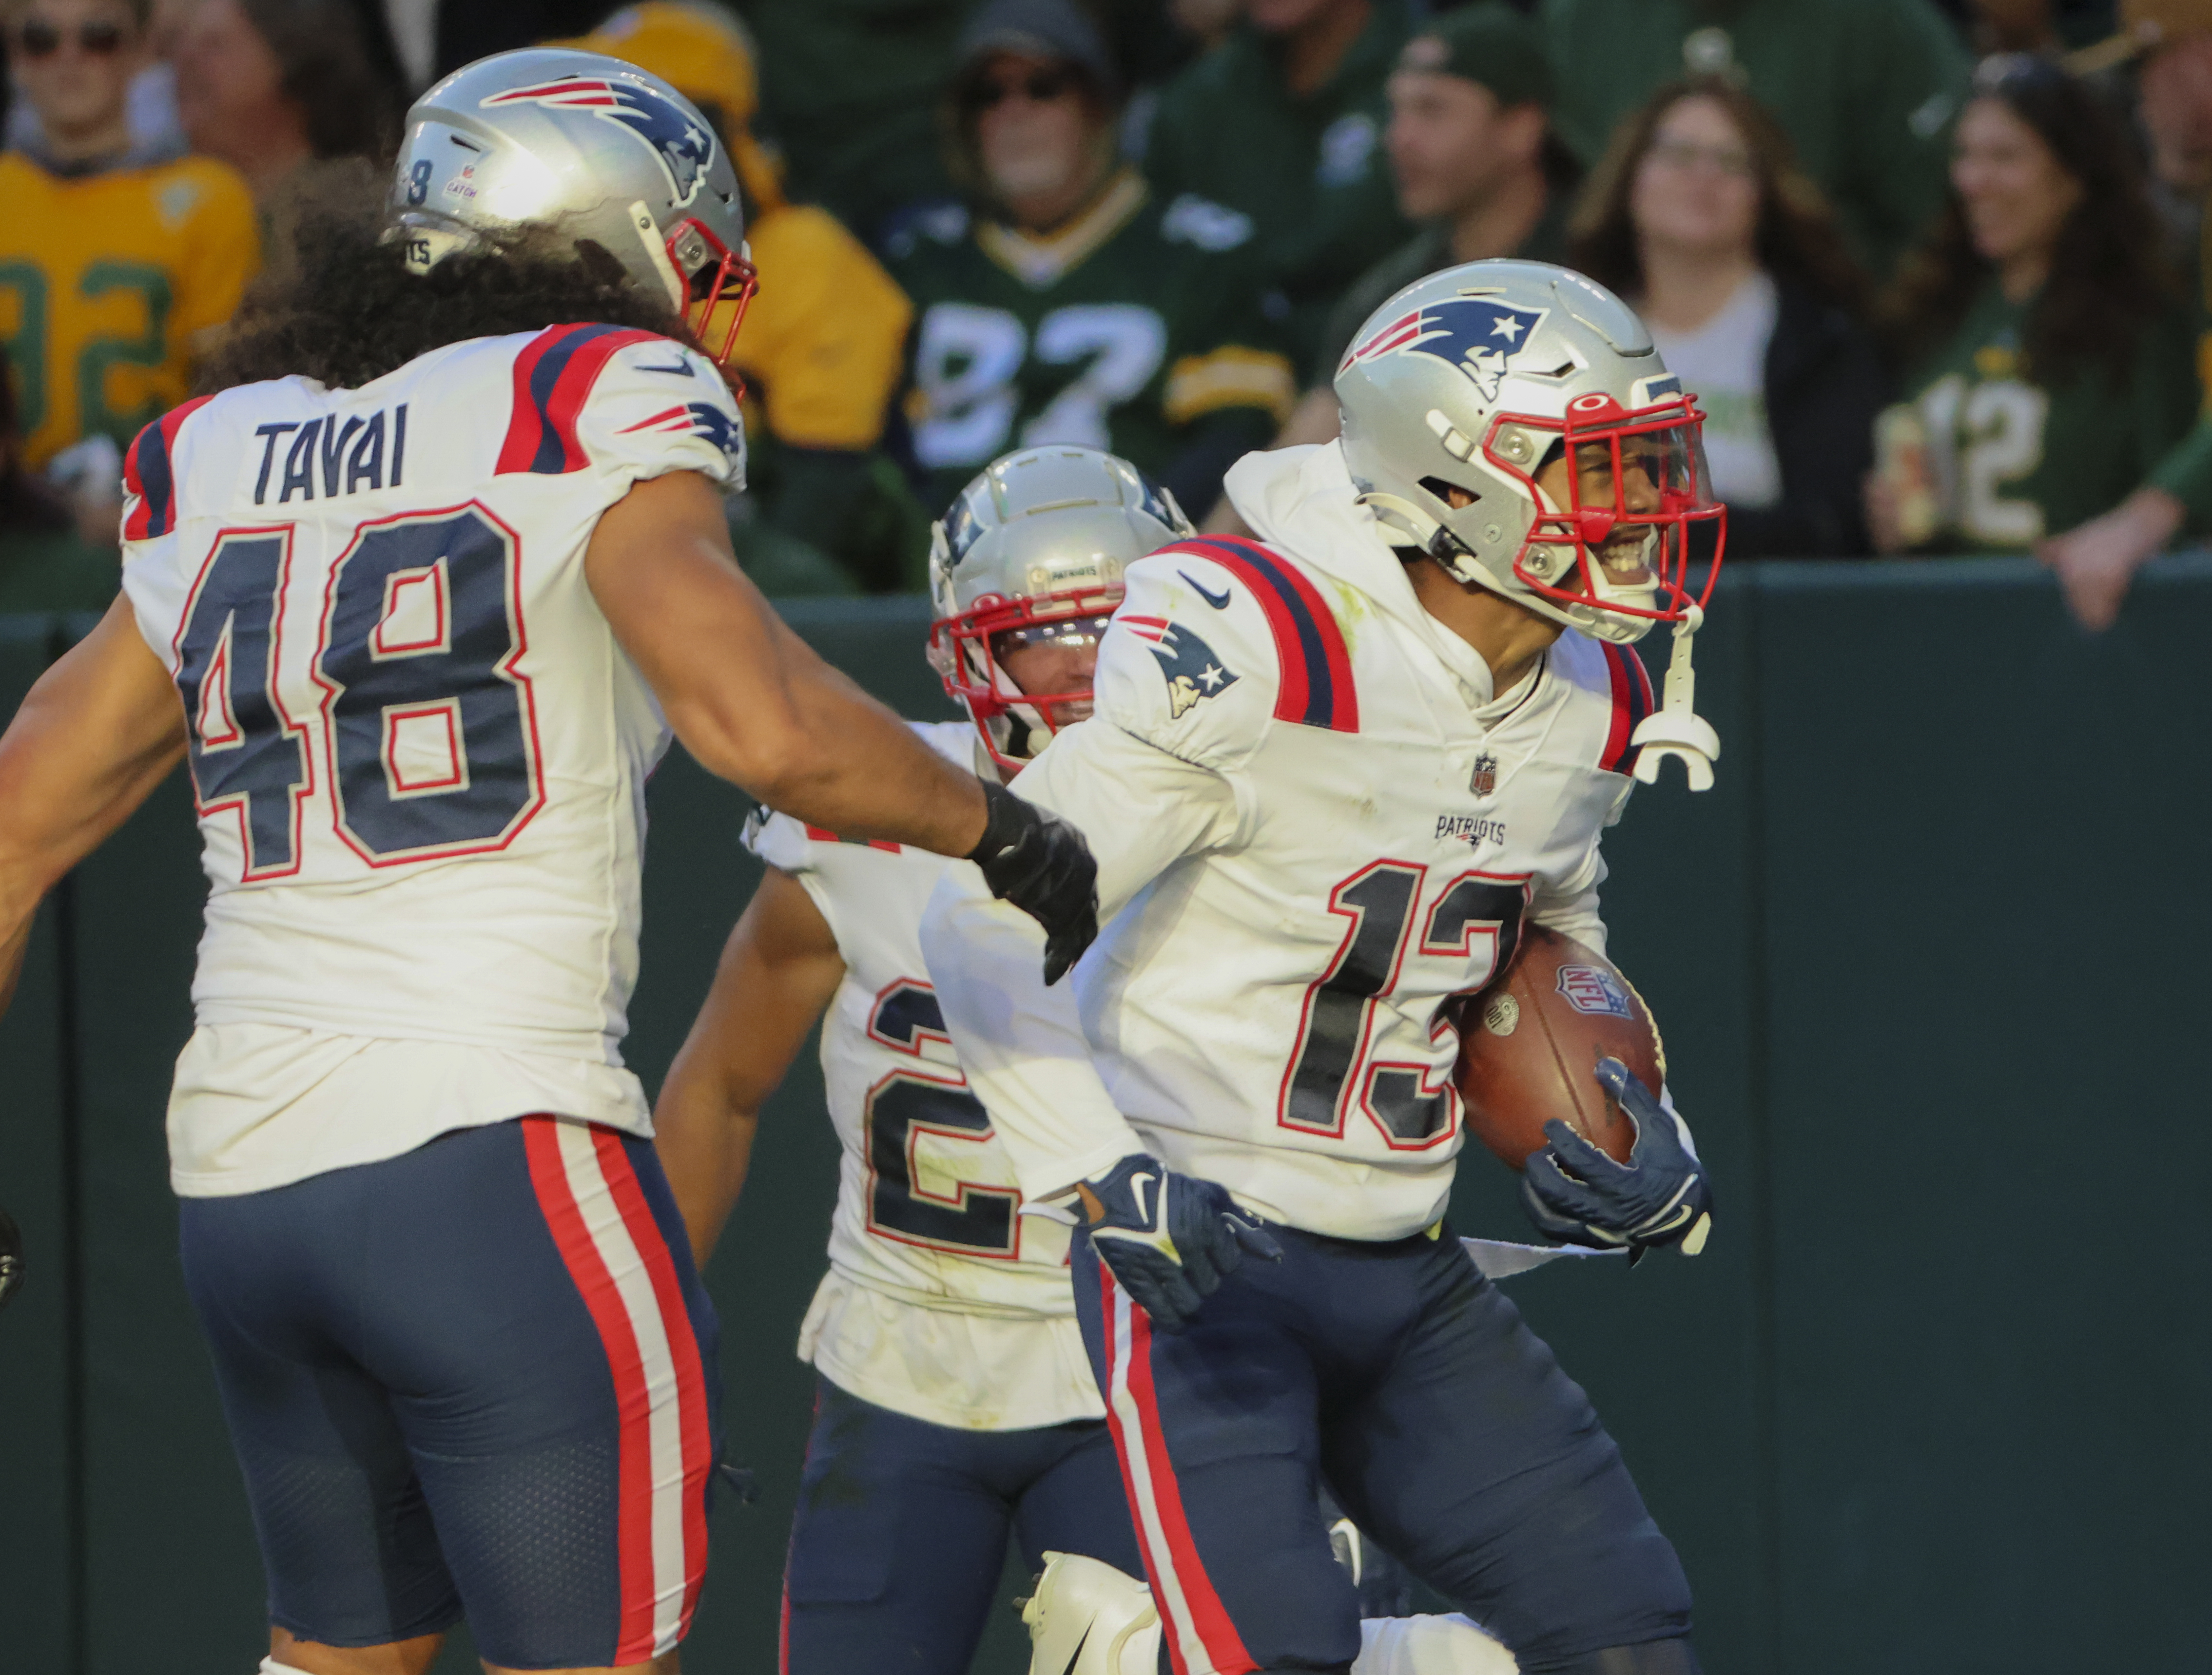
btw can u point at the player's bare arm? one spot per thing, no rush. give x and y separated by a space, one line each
98 732
779 971
754 705
747 696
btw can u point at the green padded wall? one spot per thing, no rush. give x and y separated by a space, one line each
38 1358
1925 963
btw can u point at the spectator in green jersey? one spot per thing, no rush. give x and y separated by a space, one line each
1866 90
1699 217
2051 365
1068 302
1282 123
1475 161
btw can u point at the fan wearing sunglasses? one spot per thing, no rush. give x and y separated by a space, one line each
1067 302
115 255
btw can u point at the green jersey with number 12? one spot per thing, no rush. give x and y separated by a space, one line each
2016 457
1122 330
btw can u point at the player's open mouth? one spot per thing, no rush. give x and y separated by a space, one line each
1622 558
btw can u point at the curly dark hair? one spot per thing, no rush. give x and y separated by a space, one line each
2108 274
343 308
1795 238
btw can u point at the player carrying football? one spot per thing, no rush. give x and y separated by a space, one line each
427 601
1329 778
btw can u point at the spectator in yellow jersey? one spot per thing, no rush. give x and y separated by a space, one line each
114 261
820 349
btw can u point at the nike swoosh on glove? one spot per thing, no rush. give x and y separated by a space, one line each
1576 1195
1170 1239
1040 863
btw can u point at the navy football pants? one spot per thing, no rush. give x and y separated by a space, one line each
477 1378
1401 1378
901 1533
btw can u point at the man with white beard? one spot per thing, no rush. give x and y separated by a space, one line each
1067 302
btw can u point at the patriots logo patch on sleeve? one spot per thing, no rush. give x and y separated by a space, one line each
698 418
1479 334
684 147
1187 663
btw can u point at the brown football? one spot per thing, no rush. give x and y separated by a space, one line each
1529 1046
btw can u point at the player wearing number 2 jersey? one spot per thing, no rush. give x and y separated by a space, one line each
955 1404
1332 774
434 578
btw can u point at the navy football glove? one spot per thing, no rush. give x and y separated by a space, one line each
1040 863
1169 1238
1576 1195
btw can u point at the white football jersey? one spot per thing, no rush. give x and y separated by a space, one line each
418 754
943 1301
1316 826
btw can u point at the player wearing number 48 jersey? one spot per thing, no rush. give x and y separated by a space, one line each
420 595
1331 775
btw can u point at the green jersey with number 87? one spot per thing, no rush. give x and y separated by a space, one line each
2014 457
1137 328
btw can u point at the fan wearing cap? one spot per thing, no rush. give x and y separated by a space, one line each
1475 162
820 350
1068 302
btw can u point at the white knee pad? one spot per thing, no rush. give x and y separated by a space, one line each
270 1666
1088 1618
1429 1646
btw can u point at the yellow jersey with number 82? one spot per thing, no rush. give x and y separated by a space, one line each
105 282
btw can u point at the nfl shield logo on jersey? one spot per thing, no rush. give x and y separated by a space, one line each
1484 780
1187 663
1594 991
1479 334
685 149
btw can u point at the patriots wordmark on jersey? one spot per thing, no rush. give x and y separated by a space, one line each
1318 826
417 753
942 1302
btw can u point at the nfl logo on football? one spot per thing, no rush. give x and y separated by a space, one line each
1594 991
1485 778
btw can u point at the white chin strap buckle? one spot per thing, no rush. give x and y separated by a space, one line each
1675 729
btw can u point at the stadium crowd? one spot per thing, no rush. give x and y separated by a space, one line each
1933 268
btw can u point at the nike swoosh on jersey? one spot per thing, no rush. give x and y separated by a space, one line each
1218 601
680 369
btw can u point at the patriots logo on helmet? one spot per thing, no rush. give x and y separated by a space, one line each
683 145
1479 334
698 418
1187 663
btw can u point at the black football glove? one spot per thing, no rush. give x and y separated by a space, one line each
1576 1195
1040 863
1169 1238
11 1258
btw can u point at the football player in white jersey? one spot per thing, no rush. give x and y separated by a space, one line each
435 574
955 1404
1330 776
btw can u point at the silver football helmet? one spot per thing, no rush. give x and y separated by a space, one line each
1478 379
1032 554
595 149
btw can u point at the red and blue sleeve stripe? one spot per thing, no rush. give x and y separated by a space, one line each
1315 687
1631 702
148 473
553 378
